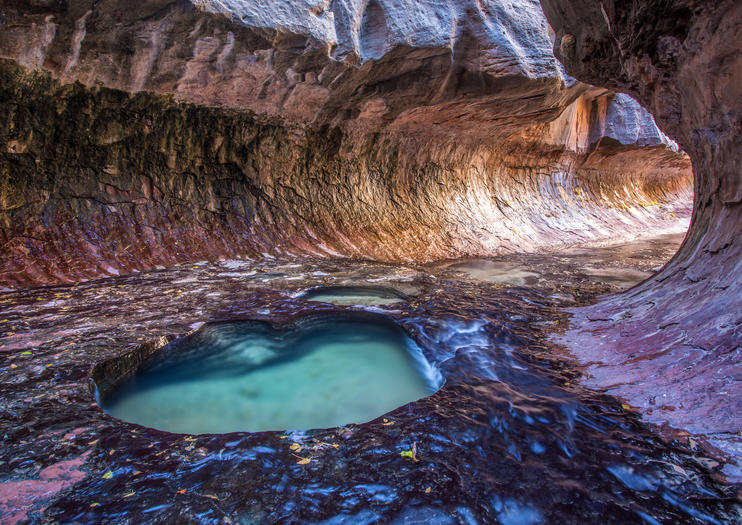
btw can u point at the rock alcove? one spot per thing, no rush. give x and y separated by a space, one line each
168 164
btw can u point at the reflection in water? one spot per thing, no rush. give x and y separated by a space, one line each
249 377
347 295
495 272
622 278
511 438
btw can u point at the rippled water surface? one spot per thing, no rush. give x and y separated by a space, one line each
250 377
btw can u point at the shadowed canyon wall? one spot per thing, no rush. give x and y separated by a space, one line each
386 130
673 345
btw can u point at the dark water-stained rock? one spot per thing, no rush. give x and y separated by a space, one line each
102 182
395 131
138 135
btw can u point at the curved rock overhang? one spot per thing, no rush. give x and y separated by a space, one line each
673 345
386 130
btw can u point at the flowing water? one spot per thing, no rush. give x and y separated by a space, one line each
246 376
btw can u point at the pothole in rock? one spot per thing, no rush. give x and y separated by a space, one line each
354 295
495 272
318 372
622 278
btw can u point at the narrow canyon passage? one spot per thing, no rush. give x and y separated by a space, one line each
376 261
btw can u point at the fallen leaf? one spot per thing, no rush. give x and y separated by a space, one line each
625 406
108 475
136 472
303 461
182 491
130 494
94 504
411 454
295 446
427 490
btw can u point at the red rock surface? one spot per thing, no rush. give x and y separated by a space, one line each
17 498
103 183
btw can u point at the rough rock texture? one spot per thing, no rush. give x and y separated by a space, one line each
673 345
438 66
102 182
511 438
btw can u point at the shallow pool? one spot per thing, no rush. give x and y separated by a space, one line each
353 295
249 376
496 272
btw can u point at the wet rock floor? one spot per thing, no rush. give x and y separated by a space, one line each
512 437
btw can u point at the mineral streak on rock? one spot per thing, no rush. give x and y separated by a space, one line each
384 130
672 346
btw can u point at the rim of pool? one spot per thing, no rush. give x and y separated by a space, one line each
111 377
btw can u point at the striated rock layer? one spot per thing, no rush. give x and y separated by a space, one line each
103 182
673 345
384 130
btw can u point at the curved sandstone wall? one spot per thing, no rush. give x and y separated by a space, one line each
103 182
673 345
386 130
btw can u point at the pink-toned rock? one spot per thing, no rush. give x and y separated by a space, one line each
18 498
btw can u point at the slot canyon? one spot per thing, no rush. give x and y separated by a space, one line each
370 261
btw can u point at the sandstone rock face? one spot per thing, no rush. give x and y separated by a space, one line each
437 65
672 345
387 130
102 182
